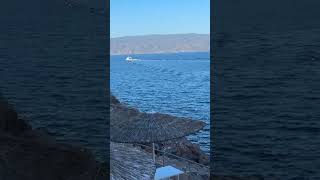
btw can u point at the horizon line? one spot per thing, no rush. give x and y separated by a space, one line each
158 35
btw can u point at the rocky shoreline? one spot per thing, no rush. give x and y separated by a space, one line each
199 170
195 161
29 154
180 147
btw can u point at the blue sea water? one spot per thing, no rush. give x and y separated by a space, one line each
53 69
266 106
176 84
266 82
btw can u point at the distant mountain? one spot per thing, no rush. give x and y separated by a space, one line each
149 44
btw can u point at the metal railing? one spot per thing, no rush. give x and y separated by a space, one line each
164 154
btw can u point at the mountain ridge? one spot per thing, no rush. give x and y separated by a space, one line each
160 43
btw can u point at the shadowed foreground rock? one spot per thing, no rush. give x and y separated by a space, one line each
217 177
29 155
9 121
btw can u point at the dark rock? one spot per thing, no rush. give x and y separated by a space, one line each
186 149
114 100
9 121
29 159
32 155
228 177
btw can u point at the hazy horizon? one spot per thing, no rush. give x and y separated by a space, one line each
173 34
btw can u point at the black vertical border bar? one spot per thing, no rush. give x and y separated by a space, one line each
211 90
107 22
212 80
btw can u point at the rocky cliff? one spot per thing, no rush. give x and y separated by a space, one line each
29 154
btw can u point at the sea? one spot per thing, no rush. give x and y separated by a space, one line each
177 84
53 69
266 82
266 86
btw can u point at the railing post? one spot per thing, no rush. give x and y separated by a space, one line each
154 153
188 162
163 156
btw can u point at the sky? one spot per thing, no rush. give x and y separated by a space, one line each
142 17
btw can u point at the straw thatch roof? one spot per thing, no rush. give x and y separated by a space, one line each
129 162
128 125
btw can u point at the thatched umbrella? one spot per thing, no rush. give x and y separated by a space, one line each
129 162
128 125
150 128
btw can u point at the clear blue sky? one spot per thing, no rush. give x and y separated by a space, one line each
141 17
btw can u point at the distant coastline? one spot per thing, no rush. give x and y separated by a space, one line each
160 53
160 44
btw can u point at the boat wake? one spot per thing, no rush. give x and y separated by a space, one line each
130 59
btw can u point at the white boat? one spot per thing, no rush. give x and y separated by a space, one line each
130 59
